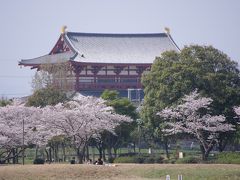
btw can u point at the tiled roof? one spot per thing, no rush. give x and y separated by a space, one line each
109 48
119 48
48 59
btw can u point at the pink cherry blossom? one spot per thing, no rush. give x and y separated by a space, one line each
188 118
80 119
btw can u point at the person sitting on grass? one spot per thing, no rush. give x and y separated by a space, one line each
89 161
99 162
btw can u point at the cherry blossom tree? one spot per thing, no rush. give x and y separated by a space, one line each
81 119
193 117
19 126
237 136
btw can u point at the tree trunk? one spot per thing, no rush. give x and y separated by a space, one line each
56 153
115 152
9 157
166 148
64 152
205 153
104 155
109 151
93 154
87 153
36 152
100 150
53 154
13 156
79 155
17 155
221 144
48 160
134 147
50 154
42 154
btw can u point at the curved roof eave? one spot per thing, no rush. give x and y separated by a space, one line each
170 37
48 59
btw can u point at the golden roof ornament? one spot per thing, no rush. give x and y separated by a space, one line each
167 30
63 29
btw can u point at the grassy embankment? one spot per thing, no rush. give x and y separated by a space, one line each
121 171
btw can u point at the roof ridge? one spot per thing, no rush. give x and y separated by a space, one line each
116 34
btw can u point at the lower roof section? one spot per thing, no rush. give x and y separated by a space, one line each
48 59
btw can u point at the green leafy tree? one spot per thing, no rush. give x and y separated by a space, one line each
46 96
174 74
4 102
121 105
124 107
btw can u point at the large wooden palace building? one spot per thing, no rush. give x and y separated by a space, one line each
105 61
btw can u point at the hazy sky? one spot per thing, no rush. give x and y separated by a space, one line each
30 28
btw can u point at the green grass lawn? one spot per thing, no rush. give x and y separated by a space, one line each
121 171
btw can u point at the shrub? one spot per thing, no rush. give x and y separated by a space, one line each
128 154
228 158
159 159
149 160
38 161
188 160
72 161
2 161
125 159
130 159
141 158
111 159
169 161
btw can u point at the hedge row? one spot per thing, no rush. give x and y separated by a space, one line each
38 161
141 159
228 158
